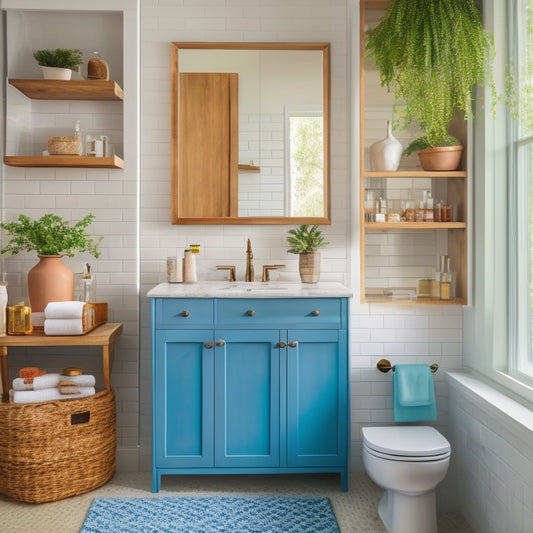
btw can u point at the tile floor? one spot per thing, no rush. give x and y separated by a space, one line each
355 510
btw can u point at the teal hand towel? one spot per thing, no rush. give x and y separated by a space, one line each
414 393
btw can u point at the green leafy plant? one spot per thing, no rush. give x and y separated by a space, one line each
305 239
50 235
60 58
431 53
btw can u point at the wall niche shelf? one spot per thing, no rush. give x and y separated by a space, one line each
397 251
68 89
95 90
71 161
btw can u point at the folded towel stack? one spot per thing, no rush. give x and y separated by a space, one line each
43 387
63 318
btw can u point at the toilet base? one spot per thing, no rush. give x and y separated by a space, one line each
401 512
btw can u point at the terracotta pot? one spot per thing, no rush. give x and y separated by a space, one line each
441 157
49 281
309 265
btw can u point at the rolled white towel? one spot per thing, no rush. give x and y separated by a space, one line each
64 310
63 326
52 380
30 396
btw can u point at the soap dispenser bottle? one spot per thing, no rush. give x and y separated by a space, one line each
3 308
189 267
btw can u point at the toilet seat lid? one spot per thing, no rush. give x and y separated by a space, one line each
406 441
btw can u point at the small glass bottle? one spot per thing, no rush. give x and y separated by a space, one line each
89 285
97 68
19 319
447 288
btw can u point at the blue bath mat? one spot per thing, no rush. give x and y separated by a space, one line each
210 515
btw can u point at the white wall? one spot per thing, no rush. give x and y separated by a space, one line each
110 194
403 334
417 334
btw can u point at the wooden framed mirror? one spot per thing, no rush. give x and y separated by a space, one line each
250 133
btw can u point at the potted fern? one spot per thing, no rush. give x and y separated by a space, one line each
58 64
431 54
51 237
304 241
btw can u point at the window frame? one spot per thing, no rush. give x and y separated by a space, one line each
487 333
520 154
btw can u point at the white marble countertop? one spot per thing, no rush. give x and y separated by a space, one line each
241 289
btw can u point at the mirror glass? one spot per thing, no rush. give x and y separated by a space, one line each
250 133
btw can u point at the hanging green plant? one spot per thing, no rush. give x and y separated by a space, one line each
431 54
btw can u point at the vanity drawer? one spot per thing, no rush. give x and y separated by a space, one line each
279 312
183 312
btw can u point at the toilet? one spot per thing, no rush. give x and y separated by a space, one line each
408 462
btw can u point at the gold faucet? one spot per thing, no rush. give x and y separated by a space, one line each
267 269
231 268
249 262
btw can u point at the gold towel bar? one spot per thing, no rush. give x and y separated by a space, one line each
384 366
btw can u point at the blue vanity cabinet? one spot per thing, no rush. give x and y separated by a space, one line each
250 385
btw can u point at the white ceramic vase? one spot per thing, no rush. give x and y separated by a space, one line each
55 73
386 154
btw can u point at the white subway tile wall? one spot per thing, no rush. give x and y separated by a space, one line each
110 194
420 334
417 334
492 460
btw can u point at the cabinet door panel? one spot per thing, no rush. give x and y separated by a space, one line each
247 398
316 398
183 399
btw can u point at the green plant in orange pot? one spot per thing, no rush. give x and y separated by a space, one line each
51 237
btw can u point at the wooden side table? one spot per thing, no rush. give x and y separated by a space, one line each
104 336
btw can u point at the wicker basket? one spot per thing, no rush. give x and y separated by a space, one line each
57 449
64 146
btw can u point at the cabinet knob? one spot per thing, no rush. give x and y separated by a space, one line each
316 312
208 345
282 345
221 342
250 312
185 313
293 344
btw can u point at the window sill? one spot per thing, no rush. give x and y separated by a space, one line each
516 417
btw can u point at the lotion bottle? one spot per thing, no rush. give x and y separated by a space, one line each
3 308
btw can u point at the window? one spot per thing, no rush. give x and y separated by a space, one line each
521 195
304 127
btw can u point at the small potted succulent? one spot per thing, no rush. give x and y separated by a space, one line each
51 237
304 241
58 64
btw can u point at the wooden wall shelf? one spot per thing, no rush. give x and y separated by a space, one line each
414 174
415 225
376 238
249 168
68 89
72 161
